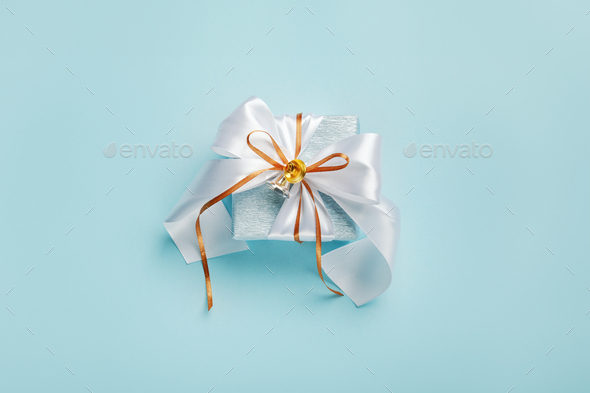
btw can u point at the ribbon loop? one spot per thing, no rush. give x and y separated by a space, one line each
317 167
264 156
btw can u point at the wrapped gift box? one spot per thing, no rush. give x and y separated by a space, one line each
254 211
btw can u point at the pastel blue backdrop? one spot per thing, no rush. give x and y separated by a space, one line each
490 287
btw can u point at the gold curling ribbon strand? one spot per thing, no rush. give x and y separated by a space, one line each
264 156
207 205
298 219
318 168
318 237
297 152
298 136
314 168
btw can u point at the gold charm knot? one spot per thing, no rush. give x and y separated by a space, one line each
295 171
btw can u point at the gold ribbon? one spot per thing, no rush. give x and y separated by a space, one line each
317 167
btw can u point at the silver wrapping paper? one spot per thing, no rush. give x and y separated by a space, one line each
254 211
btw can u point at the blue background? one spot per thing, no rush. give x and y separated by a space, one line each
477 299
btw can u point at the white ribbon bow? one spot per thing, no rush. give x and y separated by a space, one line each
363 273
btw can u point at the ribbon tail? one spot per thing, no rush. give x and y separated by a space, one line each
207 205
216 180
318 238
363 269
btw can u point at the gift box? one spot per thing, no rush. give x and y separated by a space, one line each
296 178
254 211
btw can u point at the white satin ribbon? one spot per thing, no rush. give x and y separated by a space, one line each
362 269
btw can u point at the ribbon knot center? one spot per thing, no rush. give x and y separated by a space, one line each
295 171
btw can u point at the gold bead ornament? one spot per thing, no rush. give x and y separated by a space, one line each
294 172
